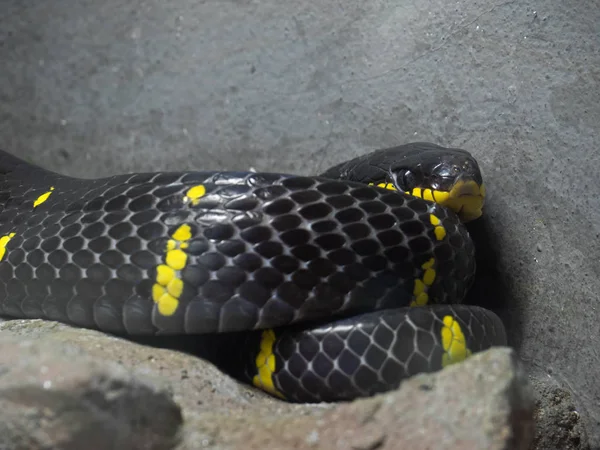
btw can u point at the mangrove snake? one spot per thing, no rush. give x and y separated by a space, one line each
334 287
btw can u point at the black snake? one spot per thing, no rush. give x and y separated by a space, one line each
334 286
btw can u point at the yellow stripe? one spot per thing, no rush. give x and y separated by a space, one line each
168 285
421 299
453 342
176 259
466 198
175 287
3 241
429 264
183 233
439 230
440 196
388 186
421 285
434 220
194 194
42 198
429 277
164 274
265 365
167 305
440 233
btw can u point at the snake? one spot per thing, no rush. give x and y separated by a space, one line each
327 288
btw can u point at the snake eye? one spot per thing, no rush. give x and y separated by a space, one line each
409 181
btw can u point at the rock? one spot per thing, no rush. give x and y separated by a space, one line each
483 403
60 397
558 424
110 391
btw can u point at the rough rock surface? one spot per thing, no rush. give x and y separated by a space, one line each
558 423
58 396
94 88
60 389
482 405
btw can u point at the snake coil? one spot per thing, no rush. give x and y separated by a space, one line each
327 288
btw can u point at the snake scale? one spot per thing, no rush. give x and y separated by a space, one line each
332 287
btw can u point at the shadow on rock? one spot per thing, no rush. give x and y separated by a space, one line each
492 288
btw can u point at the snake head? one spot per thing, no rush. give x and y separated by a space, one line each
448 176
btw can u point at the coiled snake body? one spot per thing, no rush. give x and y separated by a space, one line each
334 286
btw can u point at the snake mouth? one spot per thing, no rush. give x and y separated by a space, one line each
466 199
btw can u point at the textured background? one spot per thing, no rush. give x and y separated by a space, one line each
95 88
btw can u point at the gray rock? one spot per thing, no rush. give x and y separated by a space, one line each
58 396
73 386
558 423
484 403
